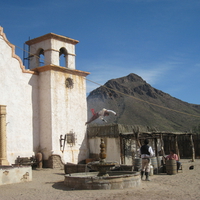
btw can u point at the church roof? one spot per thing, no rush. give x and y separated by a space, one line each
52 36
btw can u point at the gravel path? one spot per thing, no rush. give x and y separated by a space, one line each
48 184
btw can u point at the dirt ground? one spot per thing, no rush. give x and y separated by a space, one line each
48 184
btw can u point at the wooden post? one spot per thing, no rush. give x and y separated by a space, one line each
176 146
169 145
193 150
137 138
156 150
162 148
162 145
122 149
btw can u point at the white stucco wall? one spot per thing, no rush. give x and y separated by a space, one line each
15 175
63 110
18 90
40 107
45 113
69 111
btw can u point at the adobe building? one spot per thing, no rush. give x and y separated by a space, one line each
43 108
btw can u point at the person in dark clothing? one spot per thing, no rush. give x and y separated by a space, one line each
146 153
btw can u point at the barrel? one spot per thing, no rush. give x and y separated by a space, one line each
171 167
154 163
137 163
151 171
160 160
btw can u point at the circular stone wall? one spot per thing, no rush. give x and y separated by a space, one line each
90 180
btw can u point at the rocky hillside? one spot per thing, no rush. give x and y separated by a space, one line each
137 103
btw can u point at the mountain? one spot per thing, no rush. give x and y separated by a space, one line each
138 103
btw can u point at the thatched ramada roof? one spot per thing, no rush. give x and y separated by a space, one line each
115 130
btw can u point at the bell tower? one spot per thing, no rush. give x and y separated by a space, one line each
48 50
61 98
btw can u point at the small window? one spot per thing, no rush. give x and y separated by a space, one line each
63 57
69 83
41 57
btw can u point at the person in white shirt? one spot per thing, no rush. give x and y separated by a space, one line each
101 114
146 153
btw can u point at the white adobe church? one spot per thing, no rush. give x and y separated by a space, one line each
42 109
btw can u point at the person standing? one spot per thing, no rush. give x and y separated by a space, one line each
146 153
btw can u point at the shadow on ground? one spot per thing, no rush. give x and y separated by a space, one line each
61 186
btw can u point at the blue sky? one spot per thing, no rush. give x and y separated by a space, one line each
158 40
